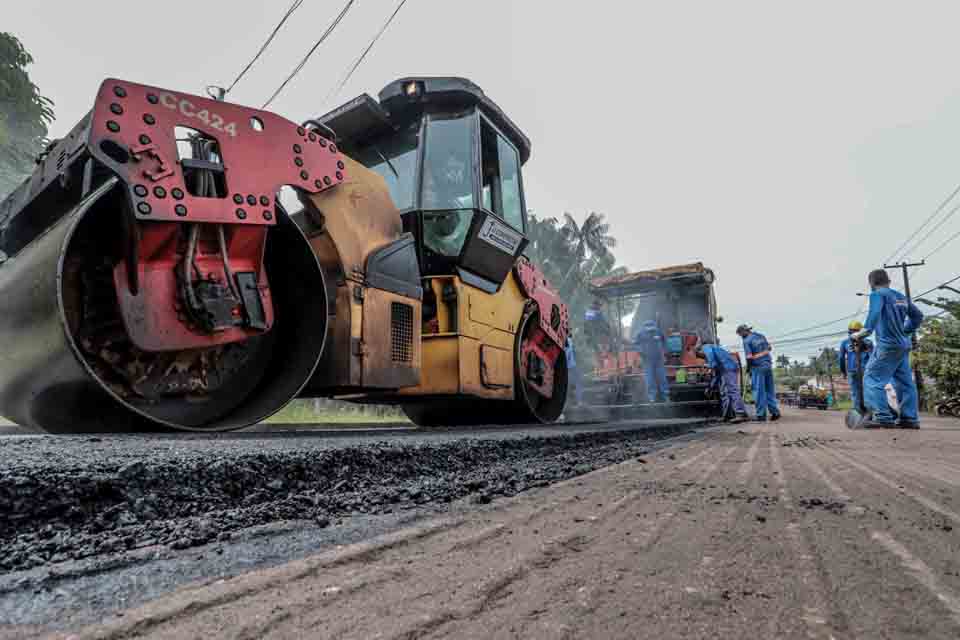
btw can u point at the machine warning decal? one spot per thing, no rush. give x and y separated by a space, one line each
499 235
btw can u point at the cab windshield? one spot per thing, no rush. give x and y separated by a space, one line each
395 158
447 198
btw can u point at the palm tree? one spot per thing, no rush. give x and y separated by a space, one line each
783 361
591 239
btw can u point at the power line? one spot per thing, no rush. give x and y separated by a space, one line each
933 230
299 67
816 326
804 339
925 223
943 244
939 286
793 342
296 5
363 55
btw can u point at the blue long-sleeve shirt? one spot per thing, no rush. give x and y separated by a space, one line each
847 357
650 340
719 359
892 318
756 343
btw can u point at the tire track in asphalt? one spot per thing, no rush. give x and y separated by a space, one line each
743 474
814 466
164 615
916 567
816 613
929 470
922 573
898 487
537 565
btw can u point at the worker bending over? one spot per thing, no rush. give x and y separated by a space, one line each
848 359
760 367
652 345
894 320
725 379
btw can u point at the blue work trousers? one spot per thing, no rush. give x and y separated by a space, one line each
573 375
730 397
655 374
764 391
890 364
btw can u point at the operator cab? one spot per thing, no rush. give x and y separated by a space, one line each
451 159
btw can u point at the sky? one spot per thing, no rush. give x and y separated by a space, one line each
789 147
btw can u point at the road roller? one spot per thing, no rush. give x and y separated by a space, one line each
155 275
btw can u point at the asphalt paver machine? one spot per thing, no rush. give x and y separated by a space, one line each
681 301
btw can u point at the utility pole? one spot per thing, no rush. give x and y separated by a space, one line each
905 267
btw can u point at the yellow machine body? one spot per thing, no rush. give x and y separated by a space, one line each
370 349
472 349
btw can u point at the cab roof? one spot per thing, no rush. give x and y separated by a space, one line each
365 118
643 281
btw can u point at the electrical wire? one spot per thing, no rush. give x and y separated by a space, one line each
933 230
939 286
933 215
306 58
816 326
296 5
359 61
804 339
942 245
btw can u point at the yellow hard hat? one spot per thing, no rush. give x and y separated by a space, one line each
856 325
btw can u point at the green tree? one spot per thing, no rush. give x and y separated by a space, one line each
938 352
558 253
24 115
588 243
783 361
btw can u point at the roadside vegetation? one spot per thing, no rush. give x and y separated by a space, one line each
24 115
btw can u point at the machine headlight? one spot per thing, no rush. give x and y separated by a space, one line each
413 89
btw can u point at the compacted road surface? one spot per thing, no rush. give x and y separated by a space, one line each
797 529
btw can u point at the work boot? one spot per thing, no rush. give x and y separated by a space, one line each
739 419
774 417
908 424
876 424
760 419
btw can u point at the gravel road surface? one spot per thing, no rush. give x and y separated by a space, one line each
92 525
798 529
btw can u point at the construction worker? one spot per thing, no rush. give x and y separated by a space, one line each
595 325
760 366
652 345
894 320
725 380
573 374
848 359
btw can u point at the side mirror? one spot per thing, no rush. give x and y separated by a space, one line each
719 319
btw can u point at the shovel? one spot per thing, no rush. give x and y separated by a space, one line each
857 415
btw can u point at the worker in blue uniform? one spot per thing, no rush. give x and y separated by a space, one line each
596 327
573 374
760 366
848 359
893 320
725 380
653 348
